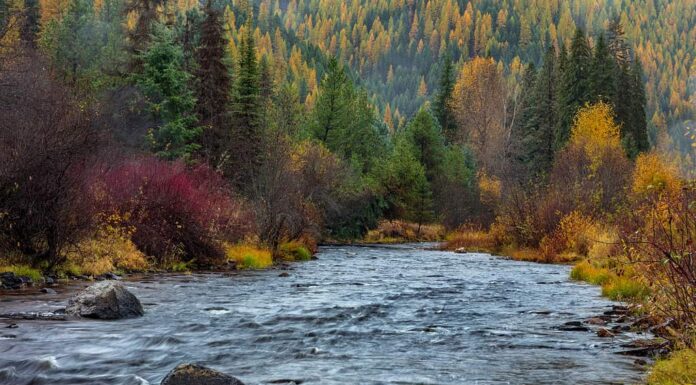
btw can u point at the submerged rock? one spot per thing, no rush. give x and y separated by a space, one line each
192 374
105 300
604 333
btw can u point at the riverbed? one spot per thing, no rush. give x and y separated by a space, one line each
356 315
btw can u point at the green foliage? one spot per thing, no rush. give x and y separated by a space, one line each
443 110
247 116
404 184
85 46
164 83
344 120
23 271
423 133
575 85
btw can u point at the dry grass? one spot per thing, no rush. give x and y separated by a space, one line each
401 231
471 240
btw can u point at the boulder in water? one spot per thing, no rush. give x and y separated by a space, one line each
105 300
192 374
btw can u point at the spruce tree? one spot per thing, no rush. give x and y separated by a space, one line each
247 136
164 84
213 85
603 71
526 126
443 109
546 99
575 85
425 136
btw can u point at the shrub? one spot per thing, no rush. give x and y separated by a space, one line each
175 213
678 369
23 271
653 175
108 250
46 142
249 256
295 250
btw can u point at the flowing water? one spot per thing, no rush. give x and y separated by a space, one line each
357 315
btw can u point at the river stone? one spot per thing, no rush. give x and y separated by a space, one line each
105 300
192 374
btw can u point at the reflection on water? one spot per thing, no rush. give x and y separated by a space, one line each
358 315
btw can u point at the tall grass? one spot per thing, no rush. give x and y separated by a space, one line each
249 256
23 271
678 369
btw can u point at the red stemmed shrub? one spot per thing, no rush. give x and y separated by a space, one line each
175 213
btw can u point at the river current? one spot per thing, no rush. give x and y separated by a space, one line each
357 315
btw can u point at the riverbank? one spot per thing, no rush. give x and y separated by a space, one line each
619 280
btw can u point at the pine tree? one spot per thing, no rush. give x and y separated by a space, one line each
443 110
575 85
164 84
247 135
603 71
213 86
617 42
331 112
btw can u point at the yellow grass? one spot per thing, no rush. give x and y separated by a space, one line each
249 256
678 369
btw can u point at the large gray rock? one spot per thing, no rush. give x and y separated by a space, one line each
105 300
192 374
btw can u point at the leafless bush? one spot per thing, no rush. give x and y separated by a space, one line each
46 141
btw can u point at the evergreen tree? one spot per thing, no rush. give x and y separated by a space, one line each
428 143
617 42
404 184
443 109
139 36
602 72
575 85
213 86
247 135
527 124
332 109
542 152
164 84
637 117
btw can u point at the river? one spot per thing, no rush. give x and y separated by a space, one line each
357 315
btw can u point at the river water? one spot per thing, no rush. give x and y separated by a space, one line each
357 315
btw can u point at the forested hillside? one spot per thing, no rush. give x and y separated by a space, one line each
396 45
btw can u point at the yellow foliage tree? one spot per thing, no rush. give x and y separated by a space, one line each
595 131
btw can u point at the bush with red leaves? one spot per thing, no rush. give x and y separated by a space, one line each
176 213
